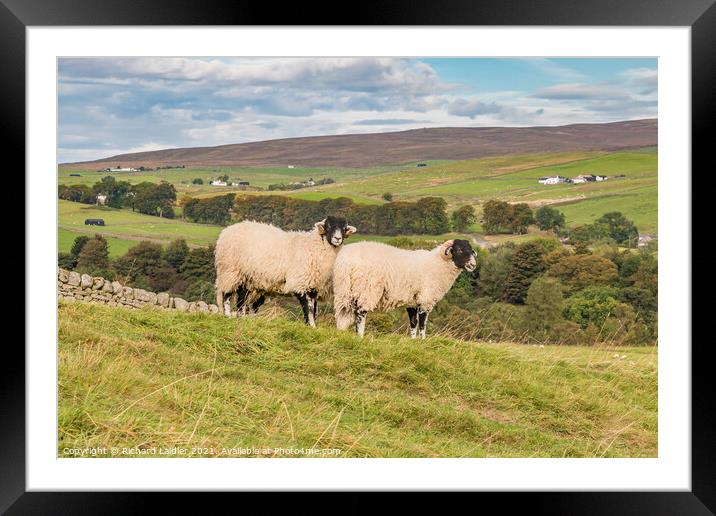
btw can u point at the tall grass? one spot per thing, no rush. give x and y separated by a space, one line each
146 380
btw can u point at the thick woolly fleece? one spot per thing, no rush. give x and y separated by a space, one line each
370 276
261 257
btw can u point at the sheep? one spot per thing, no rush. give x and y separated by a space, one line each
255 259
369 276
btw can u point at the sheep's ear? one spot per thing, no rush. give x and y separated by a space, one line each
350 230
447 245
321 227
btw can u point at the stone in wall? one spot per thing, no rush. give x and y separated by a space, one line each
85 281
181 305
74 279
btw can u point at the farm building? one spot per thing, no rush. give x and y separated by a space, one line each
101 199
94 222
119 169
422 165
75 175
580 179
645 239
291 166
552 180
218 183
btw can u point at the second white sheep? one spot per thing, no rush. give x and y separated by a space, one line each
370 276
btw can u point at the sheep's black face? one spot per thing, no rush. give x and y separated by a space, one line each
335 230
463 256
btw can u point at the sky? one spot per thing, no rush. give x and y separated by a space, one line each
110 106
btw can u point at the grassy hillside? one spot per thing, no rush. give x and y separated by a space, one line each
127 227
473 181
149 378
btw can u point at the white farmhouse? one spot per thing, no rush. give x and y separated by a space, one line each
101 199
552 180
218 183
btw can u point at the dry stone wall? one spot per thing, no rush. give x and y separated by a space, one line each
72 286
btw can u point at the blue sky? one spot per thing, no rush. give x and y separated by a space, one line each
113 105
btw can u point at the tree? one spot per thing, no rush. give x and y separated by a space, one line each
176 252
520 217
463 218
94 256
590 233
591 306
153 199
77 246
199 265
494 272
621 229
197 181
496 216
547 217
544 306
584 270
387 196
66 261
115 191
527 263
140 261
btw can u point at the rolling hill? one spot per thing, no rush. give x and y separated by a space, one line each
366 150
154 379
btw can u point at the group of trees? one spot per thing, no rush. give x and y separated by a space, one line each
541 291
612 226
425 216
149 198
501 216
176 268
209 210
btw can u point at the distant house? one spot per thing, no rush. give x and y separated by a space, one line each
119 169
645 239
243 183
94 222
422 165
579 179
552 180
218 183
291 166
101 199
600 178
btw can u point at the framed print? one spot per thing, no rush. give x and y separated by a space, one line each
404 252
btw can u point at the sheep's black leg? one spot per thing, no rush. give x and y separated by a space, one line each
307 311
313 304
241 295
422 321
360 322
257 304
413 317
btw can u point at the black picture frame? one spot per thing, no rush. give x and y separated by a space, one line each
700 15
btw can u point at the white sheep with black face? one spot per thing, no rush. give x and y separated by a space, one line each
255 259
370 276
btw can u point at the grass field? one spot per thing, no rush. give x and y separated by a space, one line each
127 227
511 178
148 378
